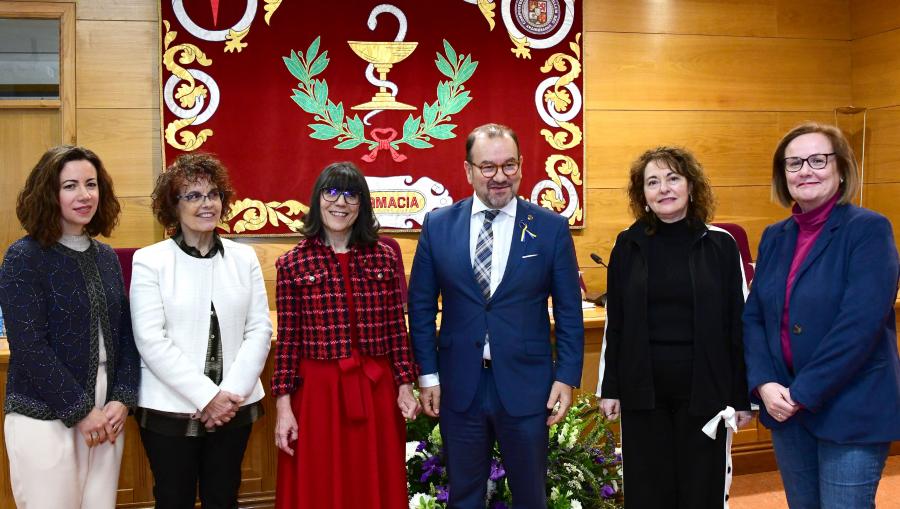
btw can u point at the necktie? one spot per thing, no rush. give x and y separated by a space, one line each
483 251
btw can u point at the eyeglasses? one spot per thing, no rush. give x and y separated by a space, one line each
815 161
213 196
488 170
332 195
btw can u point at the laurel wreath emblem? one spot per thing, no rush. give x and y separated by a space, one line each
330 122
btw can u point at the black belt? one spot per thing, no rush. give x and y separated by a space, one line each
486 363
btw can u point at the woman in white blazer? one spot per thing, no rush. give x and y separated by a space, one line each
201 324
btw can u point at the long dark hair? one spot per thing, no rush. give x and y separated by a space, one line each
347 177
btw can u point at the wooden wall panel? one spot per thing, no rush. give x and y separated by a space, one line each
137 226
128 143
869 17
118 10
26 135
812 19
883 145
734 147
876 70
885 199
689 72
117 64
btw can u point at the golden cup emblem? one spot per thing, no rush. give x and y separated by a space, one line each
383 55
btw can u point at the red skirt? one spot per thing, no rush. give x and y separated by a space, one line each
350 452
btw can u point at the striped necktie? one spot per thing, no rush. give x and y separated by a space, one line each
483 251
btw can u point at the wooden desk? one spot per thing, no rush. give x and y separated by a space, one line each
752 445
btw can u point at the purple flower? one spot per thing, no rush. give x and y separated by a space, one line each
497 470
500 505
443 493
422 445
607 491
432 465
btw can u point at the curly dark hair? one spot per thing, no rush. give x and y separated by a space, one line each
345 176
702 202
843 153
37 205
188 169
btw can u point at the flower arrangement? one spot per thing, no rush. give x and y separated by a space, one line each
584 465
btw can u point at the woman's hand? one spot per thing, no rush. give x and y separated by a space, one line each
743 418
407 401
115 413
285 424
777 400
610 408
221 409
95 427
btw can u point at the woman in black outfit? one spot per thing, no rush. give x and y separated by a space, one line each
673 352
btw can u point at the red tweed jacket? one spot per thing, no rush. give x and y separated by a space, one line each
313 320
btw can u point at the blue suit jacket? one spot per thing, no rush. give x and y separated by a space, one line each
516 315
842 327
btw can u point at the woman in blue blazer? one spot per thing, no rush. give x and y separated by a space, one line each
819 327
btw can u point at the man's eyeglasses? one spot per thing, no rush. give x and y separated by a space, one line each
488 170
815 161
213 196
332 195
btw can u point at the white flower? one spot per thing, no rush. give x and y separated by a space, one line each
421 501
575 505
411 450
491 490
554 493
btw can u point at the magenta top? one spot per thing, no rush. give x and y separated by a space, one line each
810 224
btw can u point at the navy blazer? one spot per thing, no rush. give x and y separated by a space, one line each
515 316
842 327
53 354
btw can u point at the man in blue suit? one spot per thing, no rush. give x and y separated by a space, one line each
490 374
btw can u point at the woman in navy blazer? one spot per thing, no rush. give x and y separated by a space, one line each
819 327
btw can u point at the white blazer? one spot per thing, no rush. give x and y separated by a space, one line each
171 293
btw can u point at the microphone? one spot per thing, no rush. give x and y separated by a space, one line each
598 260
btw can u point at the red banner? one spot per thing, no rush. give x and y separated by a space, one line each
278 89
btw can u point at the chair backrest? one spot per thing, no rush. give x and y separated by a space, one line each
740 236
399 270
125 255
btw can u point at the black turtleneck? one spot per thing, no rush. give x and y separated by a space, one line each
670 298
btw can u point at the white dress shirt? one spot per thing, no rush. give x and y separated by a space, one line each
503 227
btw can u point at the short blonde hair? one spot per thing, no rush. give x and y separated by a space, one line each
843 154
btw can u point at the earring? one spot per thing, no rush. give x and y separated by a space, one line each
646 208
691 198
842 180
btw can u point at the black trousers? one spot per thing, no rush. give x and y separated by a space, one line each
180 463
668 462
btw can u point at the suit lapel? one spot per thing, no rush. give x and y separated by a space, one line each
785 243
831 225
461 258
516 249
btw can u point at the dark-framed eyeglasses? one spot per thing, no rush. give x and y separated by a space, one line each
332 195
815 161
488 170
213 196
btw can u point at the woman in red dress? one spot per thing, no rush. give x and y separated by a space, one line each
343 367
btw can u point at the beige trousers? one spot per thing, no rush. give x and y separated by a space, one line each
51 467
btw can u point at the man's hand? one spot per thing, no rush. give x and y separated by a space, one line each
431 400
560 399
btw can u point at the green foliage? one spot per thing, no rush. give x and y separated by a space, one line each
311 95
